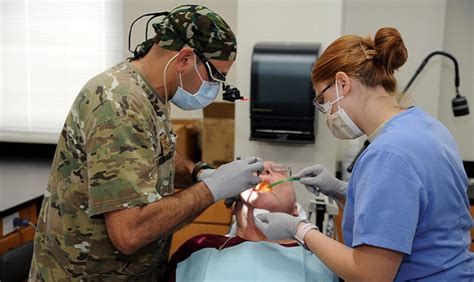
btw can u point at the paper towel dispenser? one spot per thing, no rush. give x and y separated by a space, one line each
281 107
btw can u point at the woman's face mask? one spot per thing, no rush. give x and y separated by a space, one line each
206 94
340 123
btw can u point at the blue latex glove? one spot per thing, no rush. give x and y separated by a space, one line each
232 178
277 225
205 173
318 179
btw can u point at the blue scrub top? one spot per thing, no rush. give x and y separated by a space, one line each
407 193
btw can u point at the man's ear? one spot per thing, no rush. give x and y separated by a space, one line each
343 82
185 59
295 210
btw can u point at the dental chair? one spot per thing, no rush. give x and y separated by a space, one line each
15 263
299 207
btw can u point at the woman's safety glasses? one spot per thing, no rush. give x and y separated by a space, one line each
318 101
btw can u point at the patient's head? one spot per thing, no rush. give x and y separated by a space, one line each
281 198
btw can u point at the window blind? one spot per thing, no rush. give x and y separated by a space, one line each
48 50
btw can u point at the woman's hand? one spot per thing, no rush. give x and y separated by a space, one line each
277 226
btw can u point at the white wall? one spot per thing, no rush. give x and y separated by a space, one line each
426 25
283 20
459 41
421 24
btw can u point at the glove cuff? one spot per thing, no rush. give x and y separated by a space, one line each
213 187
343 188
197 168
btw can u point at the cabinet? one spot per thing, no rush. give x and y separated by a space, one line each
217 218
214 220
21 235
9 242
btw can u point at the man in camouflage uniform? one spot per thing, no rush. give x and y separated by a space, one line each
109 209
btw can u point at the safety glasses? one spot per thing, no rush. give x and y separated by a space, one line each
229 92
277 168
213 73
319 104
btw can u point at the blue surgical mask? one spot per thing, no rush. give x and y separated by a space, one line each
206 94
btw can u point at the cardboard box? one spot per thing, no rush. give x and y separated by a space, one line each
187 134
218 133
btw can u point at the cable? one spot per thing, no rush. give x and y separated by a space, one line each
459 103
351 166
147 24
20 222
153 15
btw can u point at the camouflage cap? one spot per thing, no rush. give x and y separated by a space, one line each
199 28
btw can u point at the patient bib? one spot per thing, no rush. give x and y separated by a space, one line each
254 261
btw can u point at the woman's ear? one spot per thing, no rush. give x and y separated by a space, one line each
343 82
185 59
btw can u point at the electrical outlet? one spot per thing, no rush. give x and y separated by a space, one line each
8 223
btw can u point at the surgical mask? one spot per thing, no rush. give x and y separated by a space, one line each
206 94
340 123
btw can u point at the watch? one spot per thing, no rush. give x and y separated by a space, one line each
197 167
301 232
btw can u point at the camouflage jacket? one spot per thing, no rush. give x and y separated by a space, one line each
115 151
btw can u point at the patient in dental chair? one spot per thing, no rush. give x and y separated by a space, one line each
248 255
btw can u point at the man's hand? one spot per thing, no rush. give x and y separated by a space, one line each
318 179
204 173
277 226
232 178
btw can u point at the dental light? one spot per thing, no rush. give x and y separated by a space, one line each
459 103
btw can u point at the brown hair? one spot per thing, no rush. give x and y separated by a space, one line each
373 62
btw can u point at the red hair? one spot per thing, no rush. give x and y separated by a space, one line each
373 62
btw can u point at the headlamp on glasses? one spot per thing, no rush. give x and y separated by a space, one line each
230 92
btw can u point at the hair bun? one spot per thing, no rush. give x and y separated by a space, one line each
391 51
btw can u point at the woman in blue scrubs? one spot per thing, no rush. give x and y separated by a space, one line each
406 214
